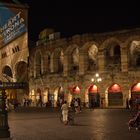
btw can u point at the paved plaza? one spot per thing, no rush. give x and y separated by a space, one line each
98 124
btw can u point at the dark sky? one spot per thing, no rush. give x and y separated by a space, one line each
71 18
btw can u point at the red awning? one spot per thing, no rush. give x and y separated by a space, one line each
76 90
114 89
93 89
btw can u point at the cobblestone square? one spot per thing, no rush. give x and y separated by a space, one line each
98 124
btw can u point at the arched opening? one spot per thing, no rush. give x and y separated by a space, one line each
21 75
49 63
92 57
21 72
115 96
113 55
32 97
134 54
135 91
50 98
39 98
75 61
61 62
60 99
7 73
117 55
74 92
94 96
8 77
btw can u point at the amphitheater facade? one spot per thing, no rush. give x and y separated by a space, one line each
67 67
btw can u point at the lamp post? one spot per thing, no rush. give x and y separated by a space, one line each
96 79
4 128
94 97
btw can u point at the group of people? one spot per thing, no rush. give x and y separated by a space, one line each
68 111
27 102
76 104
12 104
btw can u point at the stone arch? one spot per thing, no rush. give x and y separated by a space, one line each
46 62
115 95
54 95
135 91
112 52
47 97
58 60
38 63
7 73
21 75
72 54
133 51
39 97
93 96
70 49
87 45
88 50
21 71
58 96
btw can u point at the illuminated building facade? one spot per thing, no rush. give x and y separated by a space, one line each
13 45
64 67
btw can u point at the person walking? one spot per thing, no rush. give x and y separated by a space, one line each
76 105
64 109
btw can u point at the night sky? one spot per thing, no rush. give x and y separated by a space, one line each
72 18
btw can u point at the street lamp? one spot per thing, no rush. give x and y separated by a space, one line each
96 78
4 128
94 97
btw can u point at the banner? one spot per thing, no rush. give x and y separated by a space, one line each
12 23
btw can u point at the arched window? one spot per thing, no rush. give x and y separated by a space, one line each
92 55
117 55
75 61
134 54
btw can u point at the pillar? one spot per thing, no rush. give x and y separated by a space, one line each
83 63
4 128
101 61
124 60
66 65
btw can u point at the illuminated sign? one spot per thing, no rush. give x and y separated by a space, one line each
12 85
12 23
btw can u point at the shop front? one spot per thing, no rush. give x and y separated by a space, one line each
135 93
94 96
115 96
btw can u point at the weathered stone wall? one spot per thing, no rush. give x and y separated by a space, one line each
122 76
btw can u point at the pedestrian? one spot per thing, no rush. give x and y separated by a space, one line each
76 106
79 104
72 104
136 103
127 104
64 109
16 103
130 103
